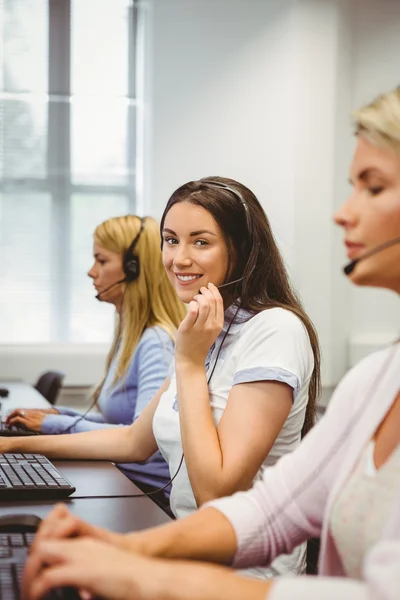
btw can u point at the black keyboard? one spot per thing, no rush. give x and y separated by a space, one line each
31 477
5 430
13 551
15 540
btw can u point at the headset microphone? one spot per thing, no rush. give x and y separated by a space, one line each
110 287
230 283
348 269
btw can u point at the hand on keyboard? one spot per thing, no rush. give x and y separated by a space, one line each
62 524
90 565
29 418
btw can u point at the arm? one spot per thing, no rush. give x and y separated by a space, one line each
95 417
146 374
58 424
107 572
278 513
222 460
272 359
134 443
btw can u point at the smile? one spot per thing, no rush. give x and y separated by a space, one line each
186 278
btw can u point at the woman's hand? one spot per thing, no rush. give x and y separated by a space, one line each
62 524
92 566
29 418
97 569
201 326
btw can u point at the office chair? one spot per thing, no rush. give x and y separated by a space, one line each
49 385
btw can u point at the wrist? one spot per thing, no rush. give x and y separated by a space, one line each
188 365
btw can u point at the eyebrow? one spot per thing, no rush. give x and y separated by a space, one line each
192 233
365 173
98 254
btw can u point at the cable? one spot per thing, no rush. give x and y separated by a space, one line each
208 381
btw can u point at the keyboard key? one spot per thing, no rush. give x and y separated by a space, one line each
5 552
16 539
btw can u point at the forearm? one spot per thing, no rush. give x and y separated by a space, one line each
206 535
111 444
200 442
188 581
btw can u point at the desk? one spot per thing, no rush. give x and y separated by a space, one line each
94 479
118 514
99 484
21 395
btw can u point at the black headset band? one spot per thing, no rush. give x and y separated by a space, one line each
238 195
136 238
131 260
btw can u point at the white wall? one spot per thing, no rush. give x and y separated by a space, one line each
222 100
249 90
261 91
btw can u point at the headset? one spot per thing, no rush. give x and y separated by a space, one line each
131 263
239 196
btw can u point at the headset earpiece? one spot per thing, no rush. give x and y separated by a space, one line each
131 263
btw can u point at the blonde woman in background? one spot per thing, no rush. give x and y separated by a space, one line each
128 273
342 483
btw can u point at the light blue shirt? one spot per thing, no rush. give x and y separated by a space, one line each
121 403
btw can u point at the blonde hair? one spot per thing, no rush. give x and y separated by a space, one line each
150 300
379 121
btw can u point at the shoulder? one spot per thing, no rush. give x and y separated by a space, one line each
155 336
370 367
366 376
275 321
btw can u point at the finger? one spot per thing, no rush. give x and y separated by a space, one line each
204 309
206 293
37 560
191 316
19 421
64 575
13 414
58 515
219 303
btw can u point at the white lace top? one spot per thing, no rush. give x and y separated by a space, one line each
362 508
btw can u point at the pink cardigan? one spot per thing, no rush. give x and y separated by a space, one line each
294 500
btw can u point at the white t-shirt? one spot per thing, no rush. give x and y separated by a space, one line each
272 345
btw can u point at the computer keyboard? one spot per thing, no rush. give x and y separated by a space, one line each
13 546
31 477
16 535
6 430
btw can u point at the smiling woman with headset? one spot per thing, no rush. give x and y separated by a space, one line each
342 483
128 273
245 377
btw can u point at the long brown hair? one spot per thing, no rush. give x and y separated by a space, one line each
254 257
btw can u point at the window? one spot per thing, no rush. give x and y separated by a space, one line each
68 114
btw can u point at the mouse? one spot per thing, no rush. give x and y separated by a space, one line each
4 392
19 522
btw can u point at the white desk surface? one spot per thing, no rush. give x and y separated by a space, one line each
21 395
